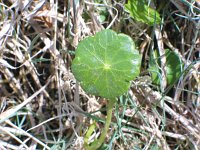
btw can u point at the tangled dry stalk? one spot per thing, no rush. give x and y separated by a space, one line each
42 105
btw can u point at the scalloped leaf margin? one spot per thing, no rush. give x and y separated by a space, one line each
105 64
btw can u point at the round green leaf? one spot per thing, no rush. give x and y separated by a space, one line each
173 67
105 63
148 15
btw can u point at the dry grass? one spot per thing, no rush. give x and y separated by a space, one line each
42 106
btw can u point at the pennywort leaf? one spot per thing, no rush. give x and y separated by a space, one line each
105 63
173 67
141 12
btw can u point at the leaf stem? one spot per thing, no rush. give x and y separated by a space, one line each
98 142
